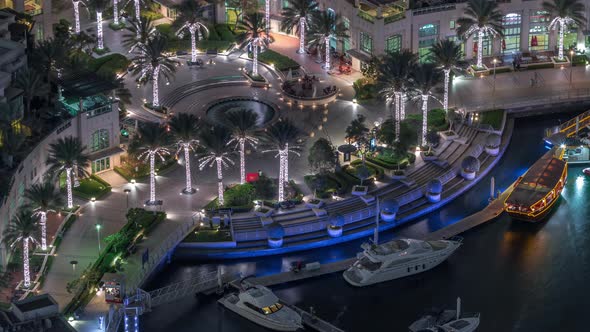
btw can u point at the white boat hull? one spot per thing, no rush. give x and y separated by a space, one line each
259 319
356 278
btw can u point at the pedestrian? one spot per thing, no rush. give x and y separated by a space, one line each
514 65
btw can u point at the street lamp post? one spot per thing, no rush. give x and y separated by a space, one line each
98 226
494 88
127 191
571 65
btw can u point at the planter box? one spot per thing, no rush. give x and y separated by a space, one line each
559 64
427 158
448 135
359 190
386 216
275 243
256 84
493 151
319 212
478 71
467 175
314 205
432 198
334 231
269 212
265 221
368 198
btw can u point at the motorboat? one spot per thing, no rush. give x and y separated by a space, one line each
397 259
260 305
586 171
446 321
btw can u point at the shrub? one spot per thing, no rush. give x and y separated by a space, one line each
493 118
264 188
436 119
281 62
166 30
364 89
213 35
239 195
110 64
224 32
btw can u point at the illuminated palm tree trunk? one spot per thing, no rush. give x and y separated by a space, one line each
69 187
26 262
242 161
302 35
424 118
447 73
402 106
193 31
480 49
116 12
561 37
398 99
219 181
100 45
187 168
137 11
76 15
286 164
155 88
152 177
255 57
43 222
282 175
267 16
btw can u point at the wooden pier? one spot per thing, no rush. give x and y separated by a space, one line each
283 277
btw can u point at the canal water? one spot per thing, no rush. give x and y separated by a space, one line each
520 277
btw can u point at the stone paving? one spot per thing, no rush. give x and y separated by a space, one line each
81 244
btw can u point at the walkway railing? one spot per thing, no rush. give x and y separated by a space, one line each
156 256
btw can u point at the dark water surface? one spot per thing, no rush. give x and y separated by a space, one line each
521 277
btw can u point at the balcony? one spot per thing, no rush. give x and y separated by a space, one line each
390 13
92 105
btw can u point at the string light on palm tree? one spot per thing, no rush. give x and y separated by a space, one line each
190 15
283 138
481 18
567 13
152 142
185 128
67 155
325 27
253 36
447 54
426 77
140 33
296 16
218 153
99 6
43 198
76 4
243 124
23 229
267 16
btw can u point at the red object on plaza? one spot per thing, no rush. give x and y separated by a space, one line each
475 47
252 177
534 41
586 171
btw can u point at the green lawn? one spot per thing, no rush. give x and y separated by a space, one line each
493 118
209 235
89 187
281 62
143 169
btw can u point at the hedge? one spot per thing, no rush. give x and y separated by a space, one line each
112 63
540 66
332 185
224 32
144 170
281 62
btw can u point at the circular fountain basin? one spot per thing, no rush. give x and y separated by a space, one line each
216 112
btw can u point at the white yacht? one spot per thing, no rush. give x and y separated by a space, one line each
398 258
260 305
447 321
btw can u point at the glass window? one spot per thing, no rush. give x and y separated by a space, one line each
101 165
511 24
346 41
428 30
99 140
511 19
424 47
452 24
459 41
366 43
393 43
540 16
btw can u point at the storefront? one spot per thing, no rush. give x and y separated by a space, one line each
511 41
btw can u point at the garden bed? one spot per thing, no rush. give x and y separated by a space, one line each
92 187
492 118
280 62
209 235
128 172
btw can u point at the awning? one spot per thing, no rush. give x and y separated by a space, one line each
359 55
105 153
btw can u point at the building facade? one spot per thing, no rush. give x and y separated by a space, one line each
12 58
40 10
377 26
94 120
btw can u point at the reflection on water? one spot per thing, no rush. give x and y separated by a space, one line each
520 276
218 112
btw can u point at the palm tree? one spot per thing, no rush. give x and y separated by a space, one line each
296 16
447 54
254 36
190 18
140 33
32 85
185 128
49 55
76 4
43 198
283 137
358 132
481 18
425 76
394 72
137 5
325 26
565 12
150 62
99 6
151 142
22 228
243 124
67 155
215 140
